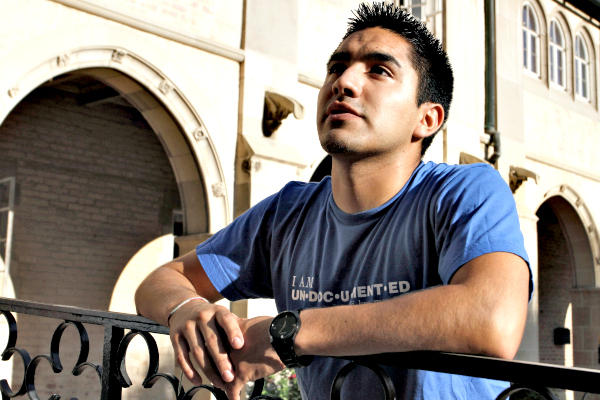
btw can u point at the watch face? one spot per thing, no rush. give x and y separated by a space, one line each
285 325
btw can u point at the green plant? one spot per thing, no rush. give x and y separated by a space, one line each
283 384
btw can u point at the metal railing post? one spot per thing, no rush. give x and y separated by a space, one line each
111 388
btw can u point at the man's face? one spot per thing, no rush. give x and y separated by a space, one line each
368 103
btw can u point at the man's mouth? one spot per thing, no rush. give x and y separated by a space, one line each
340 109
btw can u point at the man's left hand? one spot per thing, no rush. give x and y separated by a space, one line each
256 359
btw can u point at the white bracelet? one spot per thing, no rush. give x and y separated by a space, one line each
183 303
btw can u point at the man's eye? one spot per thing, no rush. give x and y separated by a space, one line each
336 68
380 70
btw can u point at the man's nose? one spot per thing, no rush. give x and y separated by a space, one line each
349 83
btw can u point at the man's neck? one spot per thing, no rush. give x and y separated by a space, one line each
360 185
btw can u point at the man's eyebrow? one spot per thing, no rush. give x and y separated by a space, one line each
374 55
339 56
385 57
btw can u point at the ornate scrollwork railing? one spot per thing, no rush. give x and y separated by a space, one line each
113 376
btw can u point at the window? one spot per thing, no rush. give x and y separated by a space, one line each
582 69
7 200
415 7
531 41
557 55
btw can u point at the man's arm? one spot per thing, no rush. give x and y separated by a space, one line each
195 327
482 311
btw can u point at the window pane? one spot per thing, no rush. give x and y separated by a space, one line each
577 77
416 11
584 81
532 23
525 49
560 77
580 48
533 65
552 65
559 67
559 37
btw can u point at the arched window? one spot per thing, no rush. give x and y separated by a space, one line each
557 55
582 69
531 41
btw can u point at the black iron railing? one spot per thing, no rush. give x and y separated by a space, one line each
120 329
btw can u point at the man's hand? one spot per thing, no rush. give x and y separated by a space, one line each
203 334
256 359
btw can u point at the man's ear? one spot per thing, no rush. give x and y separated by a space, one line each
432 118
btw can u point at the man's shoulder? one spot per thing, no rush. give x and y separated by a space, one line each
296 194
443 176
443 170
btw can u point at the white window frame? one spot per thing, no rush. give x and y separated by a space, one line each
6 234
557 51
531 35
582 69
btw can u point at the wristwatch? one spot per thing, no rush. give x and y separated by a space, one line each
283 331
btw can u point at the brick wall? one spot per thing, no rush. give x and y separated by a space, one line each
93 186
555 283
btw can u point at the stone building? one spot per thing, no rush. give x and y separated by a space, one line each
131 130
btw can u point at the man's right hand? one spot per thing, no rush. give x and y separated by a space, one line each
202 334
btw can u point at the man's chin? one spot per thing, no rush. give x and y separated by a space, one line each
336 148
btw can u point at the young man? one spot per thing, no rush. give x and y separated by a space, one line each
390 254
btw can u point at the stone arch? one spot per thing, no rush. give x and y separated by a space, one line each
184 136
567 280
578 224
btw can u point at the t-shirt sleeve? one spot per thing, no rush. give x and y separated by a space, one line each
475 214
237 258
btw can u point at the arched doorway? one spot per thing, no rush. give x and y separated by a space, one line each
96 89
567 293
94 184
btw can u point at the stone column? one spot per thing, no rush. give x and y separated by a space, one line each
525 198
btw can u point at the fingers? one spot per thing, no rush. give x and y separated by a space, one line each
180 348
192 356
217 351
202 336
229 322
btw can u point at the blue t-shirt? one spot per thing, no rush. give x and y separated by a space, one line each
299 248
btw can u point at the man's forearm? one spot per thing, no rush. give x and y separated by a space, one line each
160 293
485 316
169 285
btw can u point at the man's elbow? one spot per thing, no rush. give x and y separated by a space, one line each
503 337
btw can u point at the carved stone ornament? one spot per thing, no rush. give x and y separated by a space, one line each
62 60
118 55
277 107
165 87
199 134
518 175
218 189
